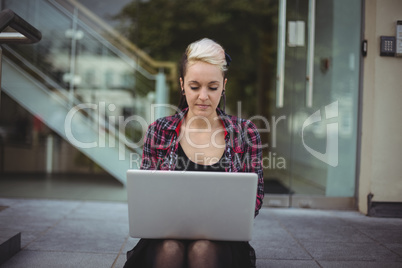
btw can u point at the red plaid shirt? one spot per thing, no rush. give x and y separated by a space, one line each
243 147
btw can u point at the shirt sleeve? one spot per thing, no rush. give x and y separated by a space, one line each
253 150
149 159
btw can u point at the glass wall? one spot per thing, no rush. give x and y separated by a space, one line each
79 59
80 63
316 119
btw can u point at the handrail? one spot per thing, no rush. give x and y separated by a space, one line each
61 97
27 34
101 39
122 40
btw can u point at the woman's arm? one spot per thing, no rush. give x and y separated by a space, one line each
254 164
149 159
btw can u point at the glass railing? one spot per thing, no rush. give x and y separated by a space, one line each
89 66
25 32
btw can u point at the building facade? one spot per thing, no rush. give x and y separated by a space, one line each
333 133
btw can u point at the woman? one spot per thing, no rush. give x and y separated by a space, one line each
200 137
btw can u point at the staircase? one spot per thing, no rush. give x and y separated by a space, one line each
86 82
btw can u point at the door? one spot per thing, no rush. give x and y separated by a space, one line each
315 113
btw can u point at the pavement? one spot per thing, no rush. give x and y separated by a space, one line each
74 233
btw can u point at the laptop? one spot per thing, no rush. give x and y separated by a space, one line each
191 205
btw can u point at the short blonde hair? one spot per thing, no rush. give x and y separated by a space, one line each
206 50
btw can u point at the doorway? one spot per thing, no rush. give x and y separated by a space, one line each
315 112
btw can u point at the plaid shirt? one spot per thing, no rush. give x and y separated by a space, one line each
243 147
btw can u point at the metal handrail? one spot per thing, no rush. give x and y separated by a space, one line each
123 42
61 98
141 54
26 33
104 42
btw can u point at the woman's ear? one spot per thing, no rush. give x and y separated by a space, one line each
224 83
181 84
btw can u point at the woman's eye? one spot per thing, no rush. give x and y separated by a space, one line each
213 88
194 88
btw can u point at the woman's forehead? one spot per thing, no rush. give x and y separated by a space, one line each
199 69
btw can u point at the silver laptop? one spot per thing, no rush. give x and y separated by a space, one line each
191 205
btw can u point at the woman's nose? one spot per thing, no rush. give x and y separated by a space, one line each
203 94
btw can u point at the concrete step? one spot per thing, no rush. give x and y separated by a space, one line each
10 242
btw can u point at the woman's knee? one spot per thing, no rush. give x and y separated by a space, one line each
172 247
202 248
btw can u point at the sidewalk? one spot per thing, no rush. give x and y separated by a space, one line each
57 233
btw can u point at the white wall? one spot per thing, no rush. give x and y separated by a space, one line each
381 153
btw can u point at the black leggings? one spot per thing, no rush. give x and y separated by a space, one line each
155 253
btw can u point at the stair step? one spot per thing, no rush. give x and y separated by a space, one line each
10 244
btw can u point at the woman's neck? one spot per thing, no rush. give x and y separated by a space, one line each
201 122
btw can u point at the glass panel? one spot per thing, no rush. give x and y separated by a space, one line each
294 81
343 88
319 143
75 58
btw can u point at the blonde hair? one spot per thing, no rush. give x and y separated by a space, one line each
206 50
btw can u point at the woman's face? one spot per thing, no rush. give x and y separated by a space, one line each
203 85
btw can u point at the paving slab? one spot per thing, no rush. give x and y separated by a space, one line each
359 264
64 233
90 236
350 252
50 259
262 263
284 250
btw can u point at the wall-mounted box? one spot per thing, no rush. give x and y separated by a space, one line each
387 47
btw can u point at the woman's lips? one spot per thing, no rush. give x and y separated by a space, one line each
202 106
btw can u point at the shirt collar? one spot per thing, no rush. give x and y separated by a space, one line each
227 121
174 122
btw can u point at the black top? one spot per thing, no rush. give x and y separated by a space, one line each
184 163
